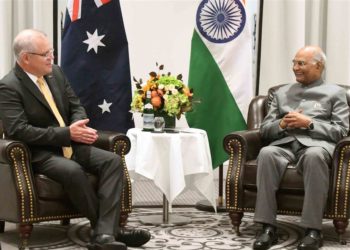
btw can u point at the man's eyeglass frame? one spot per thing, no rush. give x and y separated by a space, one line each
45 54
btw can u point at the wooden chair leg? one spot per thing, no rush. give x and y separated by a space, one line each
25 230
340 228
2 226
123 219
65 222
236 220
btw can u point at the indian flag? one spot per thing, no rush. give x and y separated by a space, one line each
220 71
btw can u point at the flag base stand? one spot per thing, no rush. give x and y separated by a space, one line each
205 205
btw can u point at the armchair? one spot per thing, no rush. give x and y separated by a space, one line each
28 198
243 148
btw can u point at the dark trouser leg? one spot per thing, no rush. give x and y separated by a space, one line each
314 165
272 163
108 166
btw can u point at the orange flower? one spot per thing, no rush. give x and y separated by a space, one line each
187 92
156 102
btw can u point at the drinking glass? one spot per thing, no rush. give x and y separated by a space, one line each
159 124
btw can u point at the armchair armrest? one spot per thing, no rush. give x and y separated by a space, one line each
339 190
241 146
17 191
112 141
249 142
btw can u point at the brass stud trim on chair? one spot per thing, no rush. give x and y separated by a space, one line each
238 145
337 212
13 153
48 218
123 149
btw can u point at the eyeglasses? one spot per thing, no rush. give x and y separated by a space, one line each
302 63
45 54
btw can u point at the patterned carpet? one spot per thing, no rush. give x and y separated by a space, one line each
206 231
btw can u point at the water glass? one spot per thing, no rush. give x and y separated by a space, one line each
159 124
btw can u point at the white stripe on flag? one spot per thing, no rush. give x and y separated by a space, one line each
99 3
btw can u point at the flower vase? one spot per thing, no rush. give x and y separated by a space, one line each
170 121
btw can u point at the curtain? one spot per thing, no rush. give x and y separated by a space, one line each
291 24
16 15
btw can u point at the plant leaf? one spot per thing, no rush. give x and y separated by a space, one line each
134 79
179 77
161 67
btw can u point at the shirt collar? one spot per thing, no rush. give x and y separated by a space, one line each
32 77
318 82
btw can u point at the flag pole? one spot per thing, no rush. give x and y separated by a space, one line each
55 33
204 205
258 61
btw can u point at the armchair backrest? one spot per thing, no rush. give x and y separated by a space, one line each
260 105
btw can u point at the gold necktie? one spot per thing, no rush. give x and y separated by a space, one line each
67 151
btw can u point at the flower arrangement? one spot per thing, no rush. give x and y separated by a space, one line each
168 94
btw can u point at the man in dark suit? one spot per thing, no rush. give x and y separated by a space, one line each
305 121
38 107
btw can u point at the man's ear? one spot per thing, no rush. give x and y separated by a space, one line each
319 65
24 58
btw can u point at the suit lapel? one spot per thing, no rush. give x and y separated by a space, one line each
34 90
55 91
30 85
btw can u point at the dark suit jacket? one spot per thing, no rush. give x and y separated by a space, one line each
27 116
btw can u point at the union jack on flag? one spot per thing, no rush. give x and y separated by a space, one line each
74 8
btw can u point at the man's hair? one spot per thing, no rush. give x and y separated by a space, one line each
320 56
24 41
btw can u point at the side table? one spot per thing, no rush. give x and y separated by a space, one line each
173 161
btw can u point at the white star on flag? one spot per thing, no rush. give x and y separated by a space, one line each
105 106
94 40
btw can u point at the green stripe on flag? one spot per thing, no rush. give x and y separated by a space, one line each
217 113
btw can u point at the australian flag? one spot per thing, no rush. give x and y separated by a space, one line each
95 59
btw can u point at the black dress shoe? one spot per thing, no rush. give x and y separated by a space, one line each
105 242
267 238
133 237
313 240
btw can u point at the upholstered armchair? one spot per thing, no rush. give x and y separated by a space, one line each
28 198
243 148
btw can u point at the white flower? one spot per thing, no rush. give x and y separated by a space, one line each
161 86
170 87
174 91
